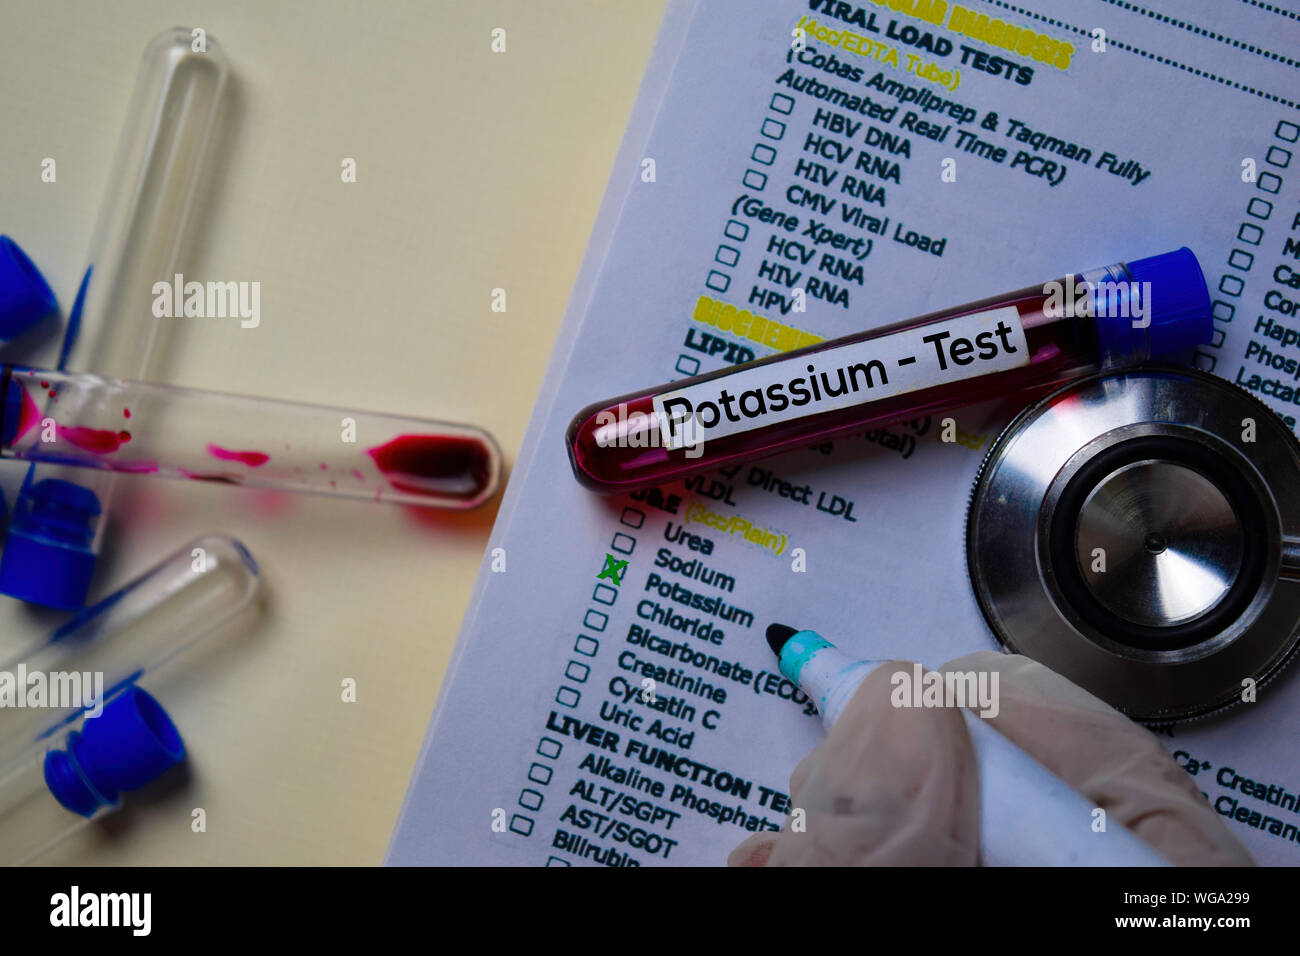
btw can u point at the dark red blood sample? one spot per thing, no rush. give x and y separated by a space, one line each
45 384
616 446
253 459
437 465
200 476
97 441
124 435
126 413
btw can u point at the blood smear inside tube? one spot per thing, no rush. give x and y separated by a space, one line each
97 441
439 465
253 459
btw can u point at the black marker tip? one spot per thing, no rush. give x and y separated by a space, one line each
777 635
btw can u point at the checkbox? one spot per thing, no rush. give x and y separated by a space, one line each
586 646
556 861
632 518
1269 182
773 129
1259 208
782 103
728 255
540 773
595 620
1204 361
1231 285
718 281
604 594
568 696
754 179
530 800
1287 132
1224 311
763 154
1249 232
577 672
736 230
623 543
521 824
1279 157
1241 259
688 364
549 747
1218 338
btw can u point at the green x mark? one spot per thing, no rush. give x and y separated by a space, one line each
613 569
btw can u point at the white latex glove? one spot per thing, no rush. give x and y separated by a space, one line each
897 786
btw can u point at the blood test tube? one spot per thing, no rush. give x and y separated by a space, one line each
1015 345
141 428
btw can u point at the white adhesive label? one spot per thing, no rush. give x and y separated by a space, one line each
965 347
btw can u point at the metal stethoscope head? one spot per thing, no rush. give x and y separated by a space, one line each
1138 531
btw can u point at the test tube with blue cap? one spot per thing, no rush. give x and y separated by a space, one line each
62 767
169 129
25 299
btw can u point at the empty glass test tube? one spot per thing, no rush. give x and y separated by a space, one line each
96 732
169 130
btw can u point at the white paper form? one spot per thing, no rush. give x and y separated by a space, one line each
1182 131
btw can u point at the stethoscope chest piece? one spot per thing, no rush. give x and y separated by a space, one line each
1138 531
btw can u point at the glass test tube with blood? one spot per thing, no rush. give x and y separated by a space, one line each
1018 344
126 427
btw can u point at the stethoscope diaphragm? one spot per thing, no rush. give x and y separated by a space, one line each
1138 531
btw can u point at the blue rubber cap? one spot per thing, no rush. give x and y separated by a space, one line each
25 296
11 415
48 557
1170 292
74 320
131 743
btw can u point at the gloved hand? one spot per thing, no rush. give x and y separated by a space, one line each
899 786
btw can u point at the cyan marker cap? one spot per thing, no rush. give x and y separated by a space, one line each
25 296
1177 314
131 743
48 557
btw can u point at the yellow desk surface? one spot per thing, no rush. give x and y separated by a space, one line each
475 171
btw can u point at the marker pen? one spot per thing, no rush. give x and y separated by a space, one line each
1028 816
1024 342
